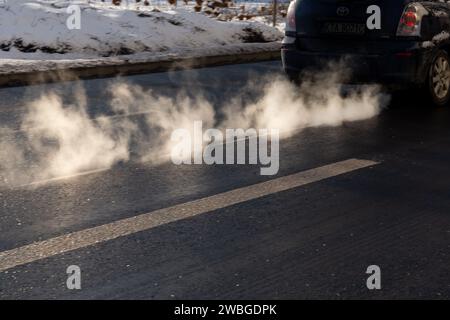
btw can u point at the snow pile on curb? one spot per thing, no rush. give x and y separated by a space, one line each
11 66
36 30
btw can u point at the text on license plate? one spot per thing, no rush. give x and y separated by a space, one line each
344 28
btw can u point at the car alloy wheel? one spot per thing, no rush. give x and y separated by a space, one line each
439 79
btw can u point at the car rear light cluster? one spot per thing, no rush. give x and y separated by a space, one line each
290 18
411 20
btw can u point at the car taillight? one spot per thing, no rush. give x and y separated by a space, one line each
411 20
290 17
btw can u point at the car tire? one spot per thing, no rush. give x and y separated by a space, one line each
438 82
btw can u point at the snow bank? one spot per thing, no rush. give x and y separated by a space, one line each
36 30
70 61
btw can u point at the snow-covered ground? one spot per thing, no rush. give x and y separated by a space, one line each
36 31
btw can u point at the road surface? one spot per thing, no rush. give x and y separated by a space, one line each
372 192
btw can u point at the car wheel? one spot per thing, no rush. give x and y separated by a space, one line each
439 79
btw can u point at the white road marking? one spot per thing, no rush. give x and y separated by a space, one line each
88 237
83 173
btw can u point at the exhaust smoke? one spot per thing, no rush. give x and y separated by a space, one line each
60 140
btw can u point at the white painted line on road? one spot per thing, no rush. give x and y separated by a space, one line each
84 173
88 237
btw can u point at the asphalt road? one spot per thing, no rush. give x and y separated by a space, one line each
307 239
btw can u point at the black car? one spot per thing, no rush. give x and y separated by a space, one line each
393 42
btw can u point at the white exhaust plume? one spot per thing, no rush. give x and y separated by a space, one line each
68 142
162 116
63 140
285 107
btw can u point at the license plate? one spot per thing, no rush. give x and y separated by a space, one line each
344 28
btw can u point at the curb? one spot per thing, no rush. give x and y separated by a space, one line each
132 68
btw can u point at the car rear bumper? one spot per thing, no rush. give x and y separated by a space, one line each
404 68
